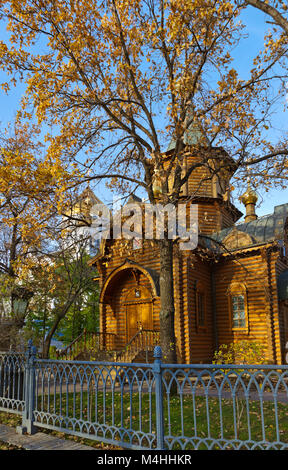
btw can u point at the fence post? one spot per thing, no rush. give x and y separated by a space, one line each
159 397
27 426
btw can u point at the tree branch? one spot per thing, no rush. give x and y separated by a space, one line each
271 11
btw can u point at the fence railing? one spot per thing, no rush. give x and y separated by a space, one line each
150 406
143 341
87 341
12 383
92 343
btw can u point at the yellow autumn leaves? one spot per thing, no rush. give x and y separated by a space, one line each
32 196
122 76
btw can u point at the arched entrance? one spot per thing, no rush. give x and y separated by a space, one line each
129 301
139 311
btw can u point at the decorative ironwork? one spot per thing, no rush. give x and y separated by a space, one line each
87 341
231 407
143 341
12 388
152 406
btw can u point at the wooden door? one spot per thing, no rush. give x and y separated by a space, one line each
132 320
138 312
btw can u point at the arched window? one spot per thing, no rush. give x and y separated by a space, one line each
238 311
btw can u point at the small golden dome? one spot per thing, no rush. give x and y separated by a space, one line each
249 197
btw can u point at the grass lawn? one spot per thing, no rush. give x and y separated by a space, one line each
193 418
187 419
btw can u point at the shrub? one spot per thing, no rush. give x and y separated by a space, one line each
243 352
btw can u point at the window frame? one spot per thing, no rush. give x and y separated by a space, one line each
235 290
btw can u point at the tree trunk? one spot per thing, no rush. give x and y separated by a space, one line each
59 317
46 345
167 312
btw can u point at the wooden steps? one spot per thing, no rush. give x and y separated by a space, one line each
138 349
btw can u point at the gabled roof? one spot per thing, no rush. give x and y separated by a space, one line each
192 136
134 199
87 194
264 229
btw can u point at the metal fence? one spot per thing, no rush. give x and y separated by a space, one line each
149 406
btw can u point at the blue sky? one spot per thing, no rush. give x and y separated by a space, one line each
256 22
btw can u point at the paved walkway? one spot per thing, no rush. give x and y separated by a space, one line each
38 441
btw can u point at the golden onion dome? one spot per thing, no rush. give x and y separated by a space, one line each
249 197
